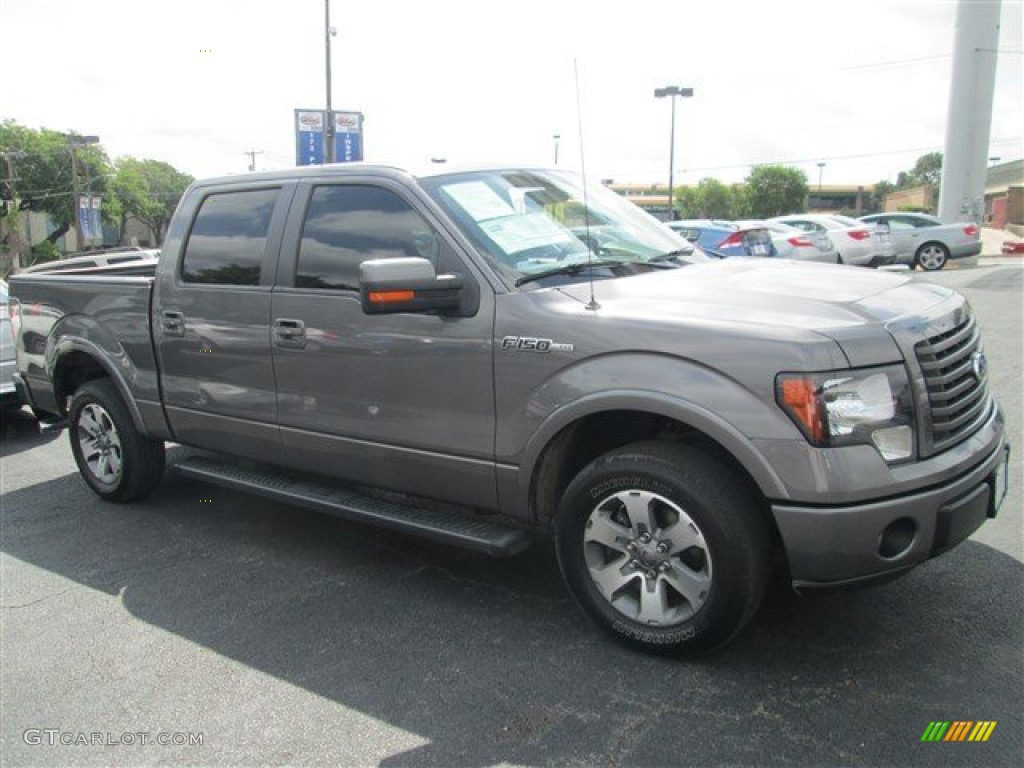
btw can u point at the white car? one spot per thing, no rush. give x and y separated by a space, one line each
857 243
798 244
925 241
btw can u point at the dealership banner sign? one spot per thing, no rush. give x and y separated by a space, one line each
311 136
89 218
348 137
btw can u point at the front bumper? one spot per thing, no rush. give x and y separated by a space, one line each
840 546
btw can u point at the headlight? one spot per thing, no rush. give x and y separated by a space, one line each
869 406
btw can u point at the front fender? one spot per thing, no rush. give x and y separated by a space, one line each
721 408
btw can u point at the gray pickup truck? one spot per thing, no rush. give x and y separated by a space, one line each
480 355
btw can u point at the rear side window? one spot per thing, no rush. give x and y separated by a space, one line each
349 224
229 238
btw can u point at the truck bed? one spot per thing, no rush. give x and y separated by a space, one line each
101 310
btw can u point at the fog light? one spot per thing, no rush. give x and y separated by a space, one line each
897 538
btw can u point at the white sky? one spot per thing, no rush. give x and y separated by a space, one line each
863 87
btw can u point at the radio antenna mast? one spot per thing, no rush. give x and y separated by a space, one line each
592 305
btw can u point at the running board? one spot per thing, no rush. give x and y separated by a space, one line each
463 529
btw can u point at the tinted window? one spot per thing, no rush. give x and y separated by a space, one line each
229 238
347 225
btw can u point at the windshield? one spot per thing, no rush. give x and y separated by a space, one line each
531 223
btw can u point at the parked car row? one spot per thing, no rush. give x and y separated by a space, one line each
881 239
772 238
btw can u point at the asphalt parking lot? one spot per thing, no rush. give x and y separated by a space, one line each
278 636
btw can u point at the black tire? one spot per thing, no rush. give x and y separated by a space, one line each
931 257
117 462
706 535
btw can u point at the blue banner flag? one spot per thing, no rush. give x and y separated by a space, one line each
348 137
309 137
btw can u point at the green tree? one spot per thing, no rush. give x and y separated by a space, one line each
773 190
927 171
43 164
877 200
149 190
714 200
686 202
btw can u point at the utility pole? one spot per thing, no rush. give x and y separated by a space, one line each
76 202
14 213
75 141
252 157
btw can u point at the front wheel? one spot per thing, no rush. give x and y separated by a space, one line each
664 547
118 462
931 256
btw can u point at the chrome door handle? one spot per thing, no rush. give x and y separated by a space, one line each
172 323
290 333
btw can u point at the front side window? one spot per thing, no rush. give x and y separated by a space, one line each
229 238
352 223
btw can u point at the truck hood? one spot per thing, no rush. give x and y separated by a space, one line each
767 293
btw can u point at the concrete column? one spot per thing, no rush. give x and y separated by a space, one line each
969 122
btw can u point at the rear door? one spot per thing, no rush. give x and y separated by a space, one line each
400 401
903 235
211 319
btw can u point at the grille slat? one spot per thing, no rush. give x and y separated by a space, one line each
951 422
953 393
957 398
945 344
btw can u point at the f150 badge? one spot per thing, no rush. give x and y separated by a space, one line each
530 344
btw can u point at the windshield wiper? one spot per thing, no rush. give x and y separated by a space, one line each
570 269
670 256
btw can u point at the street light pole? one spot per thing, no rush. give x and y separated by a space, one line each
821 167
557 137
672 91
328 118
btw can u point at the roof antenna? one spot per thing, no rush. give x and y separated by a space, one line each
592 305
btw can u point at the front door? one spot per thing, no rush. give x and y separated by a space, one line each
404 402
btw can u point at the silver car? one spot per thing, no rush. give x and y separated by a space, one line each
856 242
924 241
8 394
793 243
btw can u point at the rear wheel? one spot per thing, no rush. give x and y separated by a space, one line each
117 462
664 548
931 256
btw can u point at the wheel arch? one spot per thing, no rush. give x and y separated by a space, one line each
76 361
578 434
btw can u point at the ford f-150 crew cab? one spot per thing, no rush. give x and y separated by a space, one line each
476 355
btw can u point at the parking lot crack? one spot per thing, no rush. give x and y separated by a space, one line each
35 602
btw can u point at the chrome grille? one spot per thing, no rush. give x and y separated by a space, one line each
957 396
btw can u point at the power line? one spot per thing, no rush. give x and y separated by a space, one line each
817 158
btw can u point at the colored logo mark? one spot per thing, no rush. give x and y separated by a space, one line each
958 730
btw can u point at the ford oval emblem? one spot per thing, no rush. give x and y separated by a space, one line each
979 365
